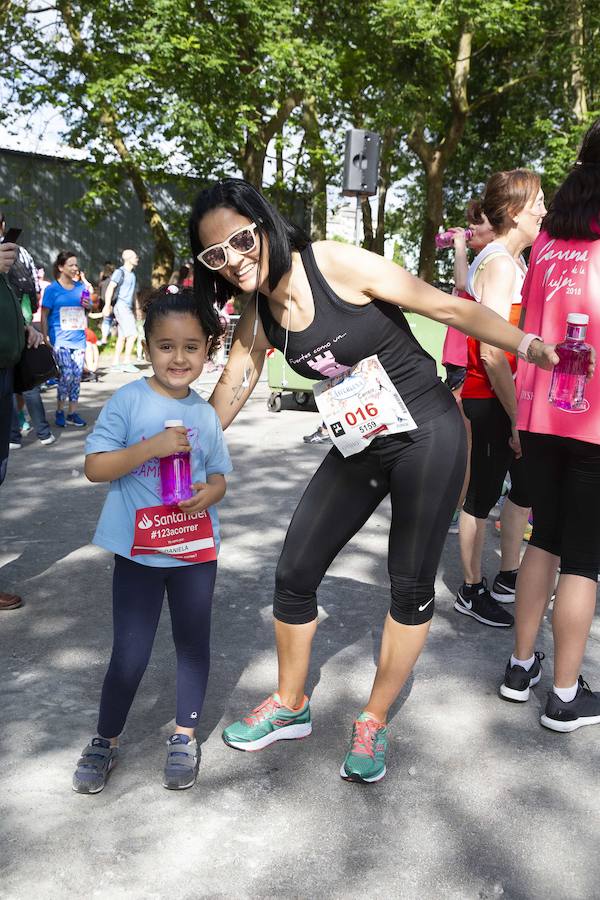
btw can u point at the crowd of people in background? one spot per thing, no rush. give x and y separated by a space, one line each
82 321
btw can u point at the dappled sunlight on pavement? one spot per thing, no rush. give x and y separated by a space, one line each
479 801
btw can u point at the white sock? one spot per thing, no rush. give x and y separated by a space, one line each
524 663
565 694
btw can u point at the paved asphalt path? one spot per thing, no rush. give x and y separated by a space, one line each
479 800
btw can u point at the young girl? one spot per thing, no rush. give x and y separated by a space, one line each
125 447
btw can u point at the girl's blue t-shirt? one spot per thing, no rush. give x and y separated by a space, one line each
66 319
135 413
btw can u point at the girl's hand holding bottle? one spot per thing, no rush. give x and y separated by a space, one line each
171 440
207 494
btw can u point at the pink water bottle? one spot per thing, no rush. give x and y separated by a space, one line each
569 376
175 474
445 239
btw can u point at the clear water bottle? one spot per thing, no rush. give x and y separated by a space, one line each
445 239
569 376
175 474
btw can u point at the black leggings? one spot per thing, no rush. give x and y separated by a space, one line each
492 458
565 489
138 593
423 471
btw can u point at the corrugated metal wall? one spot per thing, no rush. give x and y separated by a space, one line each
39 194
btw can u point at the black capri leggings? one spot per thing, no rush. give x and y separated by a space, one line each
492 458
138 593
423 471
565 490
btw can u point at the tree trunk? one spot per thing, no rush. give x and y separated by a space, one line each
163 248
432 219
384 183
253 163
316 170
580 107
164 256
367 220
435 157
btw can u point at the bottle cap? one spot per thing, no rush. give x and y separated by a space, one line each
577 319
173 423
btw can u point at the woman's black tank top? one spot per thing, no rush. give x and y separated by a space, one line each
341 334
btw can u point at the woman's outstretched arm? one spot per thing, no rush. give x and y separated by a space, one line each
243 368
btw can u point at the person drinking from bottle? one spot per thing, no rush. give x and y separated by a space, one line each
513 203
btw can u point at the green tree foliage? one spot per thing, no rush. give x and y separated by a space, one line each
156 89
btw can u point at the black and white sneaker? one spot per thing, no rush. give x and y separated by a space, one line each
503 588
518 680
320 436
583 710
477 602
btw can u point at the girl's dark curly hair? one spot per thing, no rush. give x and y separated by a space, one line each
170 299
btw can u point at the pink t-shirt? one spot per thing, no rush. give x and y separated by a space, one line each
563 277
454 350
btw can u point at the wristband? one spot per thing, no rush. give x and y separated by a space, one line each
523 348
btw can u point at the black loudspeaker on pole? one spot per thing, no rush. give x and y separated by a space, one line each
361 163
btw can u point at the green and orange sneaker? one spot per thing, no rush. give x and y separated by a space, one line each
269 722
365 760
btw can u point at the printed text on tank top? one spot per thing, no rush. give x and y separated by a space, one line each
343 333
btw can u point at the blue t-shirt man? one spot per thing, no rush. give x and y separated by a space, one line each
125 281
135 413
66 317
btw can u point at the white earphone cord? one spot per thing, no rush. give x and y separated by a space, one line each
284 381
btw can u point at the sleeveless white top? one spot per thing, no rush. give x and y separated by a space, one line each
495 249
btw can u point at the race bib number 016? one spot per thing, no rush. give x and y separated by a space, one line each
360 405
164 529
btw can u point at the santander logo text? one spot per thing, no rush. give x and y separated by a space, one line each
173 518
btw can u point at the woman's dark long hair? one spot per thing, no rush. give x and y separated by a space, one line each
283 236
60 260
575 208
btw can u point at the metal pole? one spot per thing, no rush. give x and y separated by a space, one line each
356 238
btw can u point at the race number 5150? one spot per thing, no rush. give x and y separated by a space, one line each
369 412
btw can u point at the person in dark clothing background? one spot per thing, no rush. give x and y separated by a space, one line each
14 334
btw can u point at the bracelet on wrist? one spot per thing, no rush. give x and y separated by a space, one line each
523 350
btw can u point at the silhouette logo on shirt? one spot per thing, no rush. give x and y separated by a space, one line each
327 365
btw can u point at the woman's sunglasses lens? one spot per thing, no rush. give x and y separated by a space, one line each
215 258
243 242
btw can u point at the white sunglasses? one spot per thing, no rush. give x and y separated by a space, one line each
242 241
